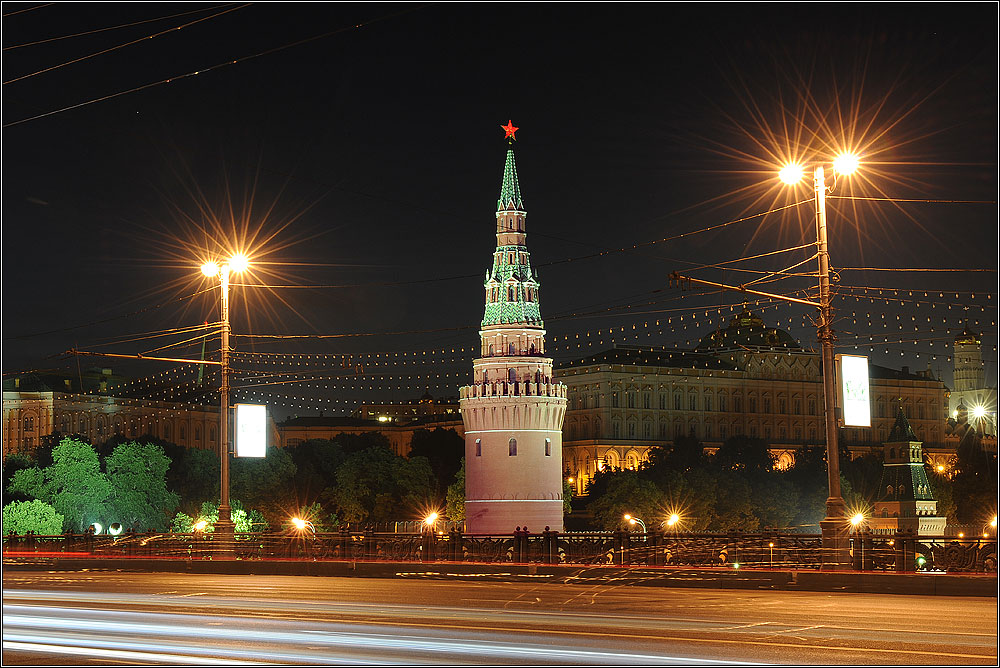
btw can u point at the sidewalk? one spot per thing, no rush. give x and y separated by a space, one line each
924 584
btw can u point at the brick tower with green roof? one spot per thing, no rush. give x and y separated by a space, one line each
513 412
905 500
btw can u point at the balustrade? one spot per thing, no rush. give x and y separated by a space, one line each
901 552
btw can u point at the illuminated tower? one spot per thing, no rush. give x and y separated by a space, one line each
513 412
971 391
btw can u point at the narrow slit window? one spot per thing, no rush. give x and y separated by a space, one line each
479 447
548 447
512 447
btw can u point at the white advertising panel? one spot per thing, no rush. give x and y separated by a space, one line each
854 390
251 430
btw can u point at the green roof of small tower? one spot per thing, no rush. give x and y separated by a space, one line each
901 432
510 191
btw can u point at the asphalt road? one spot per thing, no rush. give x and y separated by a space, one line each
103 618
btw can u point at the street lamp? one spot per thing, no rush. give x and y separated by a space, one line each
633 520
301 524
832 524
856 521
238 263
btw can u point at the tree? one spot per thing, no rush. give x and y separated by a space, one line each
194 474
351 443
742 453
36 516
627 492
316 461
74 484
376 485
733 507
974 485
263 482
245 520
139 495
943 492
443 448
13 463
774 499
455 498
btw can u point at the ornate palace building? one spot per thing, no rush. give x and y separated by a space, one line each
36 406
743 379
513 412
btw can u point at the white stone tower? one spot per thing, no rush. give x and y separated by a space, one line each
513 412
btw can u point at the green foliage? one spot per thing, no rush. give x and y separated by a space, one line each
943 491
734 510
13 463
73 484
742 453
321 520
376 485
36 516
139 496
245 520
974 483
262 482
568 489
774 499
351 443
455 498
627 492
316 462
194 474
443 449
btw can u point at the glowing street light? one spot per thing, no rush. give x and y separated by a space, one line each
830 526
238 263
635 520
200 525
857 519
673 520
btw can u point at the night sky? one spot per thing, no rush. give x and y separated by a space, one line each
359 146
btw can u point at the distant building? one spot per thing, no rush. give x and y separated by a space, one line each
425 407
971 394
905 499
399 433
35 406
744 379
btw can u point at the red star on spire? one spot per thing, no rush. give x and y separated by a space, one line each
510 130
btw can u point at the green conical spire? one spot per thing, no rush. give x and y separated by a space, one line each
510 191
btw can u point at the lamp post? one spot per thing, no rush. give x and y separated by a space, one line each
238 263
832 526
633 520
857 521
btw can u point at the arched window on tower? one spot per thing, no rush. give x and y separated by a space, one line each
511 374
512 447
510 293
512 348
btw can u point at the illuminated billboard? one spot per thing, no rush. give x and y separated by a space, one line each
251 430
855 398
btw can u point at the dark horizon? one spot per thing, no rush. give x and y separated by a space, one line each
373 158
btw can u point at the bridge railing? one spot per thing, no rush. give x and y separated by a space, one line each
900 552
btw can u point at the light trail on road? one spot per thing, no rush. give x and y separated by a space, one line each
220 620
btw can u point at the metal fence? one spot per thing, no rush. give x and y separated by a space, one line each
901 552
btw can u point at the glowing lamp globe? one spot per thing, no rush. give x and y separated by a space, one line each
845 163
430 519
791 173
239 263
210 269
299 524
978 412
857 519
673 519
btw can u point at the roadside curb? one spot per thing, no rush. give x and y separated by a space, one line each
923 584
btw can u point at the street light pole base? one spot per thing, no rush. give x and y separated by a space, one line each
836 541
225 536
